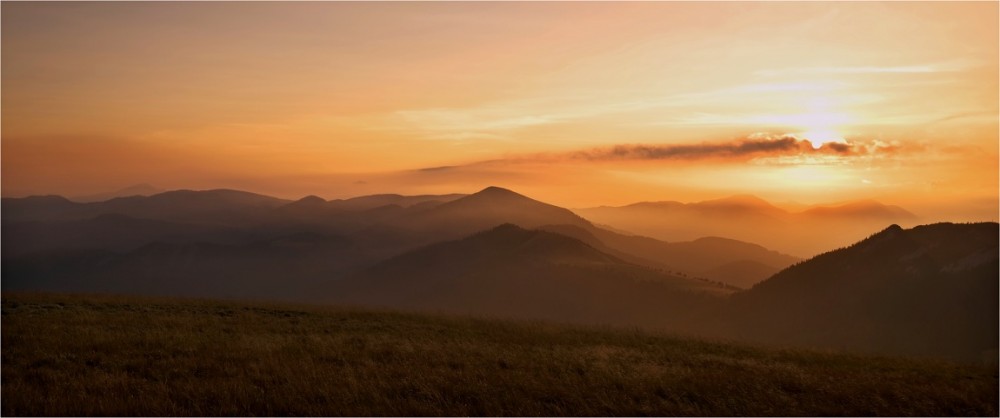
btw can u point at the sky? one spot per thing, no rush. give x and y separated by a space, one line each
577 104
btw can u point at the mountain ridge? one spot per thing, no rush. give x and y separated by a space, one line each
927 290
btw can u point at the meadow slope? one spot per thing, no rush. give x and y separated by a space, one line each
102 355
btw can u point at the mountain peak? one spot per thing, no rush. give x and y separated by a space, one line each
49 198
494 206
311 200
892 229
495 191
497 195
506 227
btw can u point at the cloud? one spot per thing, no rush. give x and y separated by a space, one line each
911 69
477 123
753 146
758 149
950 66
441 168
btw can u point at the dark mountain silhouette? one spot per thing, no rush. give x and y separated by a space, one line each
493 206
314 211
510 271
238 218
587 236
741 205
142 189
860 209
930 290
39 208
712 252
704 257
228 207
310 201
741 273
368 218
286 267
374 201
113 232
749 218
490 207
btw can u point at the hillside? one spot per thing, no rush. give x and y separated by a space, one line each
89 355
930 290
513 272
108 231
743 274
285 268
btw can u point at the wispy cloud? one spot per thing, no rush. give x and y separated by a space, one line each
910 69
951 66
483 119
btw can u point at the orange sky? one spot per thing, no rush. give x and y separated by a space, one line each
577 104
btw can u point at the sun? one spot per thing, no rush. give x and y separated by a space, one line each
818 137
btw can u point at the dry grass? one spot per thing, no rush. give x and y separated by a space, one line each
89 355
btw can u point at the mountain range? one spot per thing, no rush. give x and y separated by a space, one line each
142 189
929 290
514 272
804 232
381 225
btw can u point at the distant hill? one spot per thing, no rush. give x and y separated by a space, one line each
41 208
741 205
870 209
806 232
225 207
134 190
930 290
510 271
374 201
488 208
704 257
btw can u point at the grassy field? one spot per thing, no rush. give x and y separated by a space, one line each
90 355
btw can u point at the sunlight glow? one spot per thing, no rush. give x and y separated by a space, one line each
821 136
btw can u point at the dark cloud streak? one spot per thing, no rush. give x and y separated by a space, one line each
747 148
760 146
